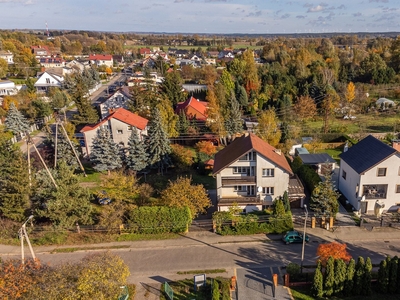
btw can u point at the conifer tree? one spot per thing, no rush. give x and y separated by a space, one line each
105 154
158 143
324 198
215 290
393 266
183 123
65 205
15 121
329 279
137 158
233 123
286 201
340 276
349 282
14 182
78 87
241 95
383 277
358 276
368 276
318 282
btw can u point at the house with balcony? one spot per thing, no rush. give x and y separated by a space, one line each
370 175
251 173
120 123
119 99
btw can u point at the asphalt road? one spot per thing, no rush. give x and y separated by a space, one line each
165 262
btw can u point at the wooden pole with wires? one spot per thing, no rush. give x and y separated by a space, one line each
28 149
41 159
73 149
55 146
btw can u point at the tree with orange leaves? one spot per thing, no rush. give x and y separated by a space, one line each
206 147
16 278
334 250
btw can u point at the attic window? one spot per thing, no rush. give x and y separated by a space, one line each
381 172
47 80
119 131
129 128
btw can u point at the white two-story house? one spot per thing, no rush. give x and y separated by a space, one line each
120 123
119 99
251 173
370 175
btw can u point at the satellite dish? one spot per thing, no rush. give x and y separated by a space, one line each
259 189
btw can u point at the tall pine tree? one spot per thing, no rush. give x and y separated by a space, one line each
105 154
14 182
15 121
233 123
137 158
158 143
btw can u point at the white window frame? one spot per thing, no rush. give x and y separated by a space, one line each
270 172
240 170
379 169
268 190
239 188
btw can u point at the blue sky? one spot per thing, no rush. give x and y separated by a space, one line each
204 16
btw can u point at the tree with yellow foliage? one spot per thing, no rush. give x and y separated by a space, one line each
350 92
268 128
181 193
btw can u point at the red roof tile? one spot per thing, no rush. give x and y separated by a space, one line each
122 115
100 57
199 106
240 146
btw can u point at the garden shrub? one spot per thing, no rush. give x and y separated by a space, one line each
215 290
293 270
309 177
159 219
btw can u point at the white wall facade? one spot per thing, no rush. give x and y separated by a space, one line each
120 132
279 182
353 186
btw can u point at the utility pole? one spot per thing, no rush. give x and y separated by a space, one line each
23 234
73 150
304 237
29 140
28 148
55 146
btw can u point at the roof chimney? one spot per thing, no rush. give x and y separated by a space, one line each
396 144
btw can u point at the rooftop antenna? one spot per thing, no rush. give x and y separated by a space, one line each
47 30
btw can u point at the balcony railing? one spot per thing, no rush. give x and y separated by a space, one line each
375 196
240 200
236 180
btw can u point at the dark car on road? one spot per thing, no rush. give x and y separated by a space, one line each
294 237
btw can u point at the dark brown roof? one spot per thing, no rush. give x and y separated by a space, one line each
240 146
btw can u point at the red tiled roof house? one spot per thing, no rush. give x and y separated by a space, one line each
120 123
193 108
251 173
101 59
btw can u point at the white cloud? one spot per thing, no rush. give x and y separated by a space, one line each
317 8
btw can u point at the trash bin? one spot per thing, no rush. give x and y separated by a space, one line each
327 226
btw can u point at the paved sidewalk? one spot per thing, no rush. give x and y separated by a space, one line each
342 233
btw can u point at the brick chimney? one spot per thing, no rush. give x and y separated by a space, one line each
396 144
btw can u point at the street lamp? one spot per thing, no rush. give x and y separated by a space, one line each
304 238
23 234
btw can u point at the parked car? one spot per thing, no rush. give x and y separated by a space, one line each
103 198
294 237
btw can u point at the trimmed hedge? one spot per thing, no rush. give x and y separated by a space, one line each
309 177
159 219
250 224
